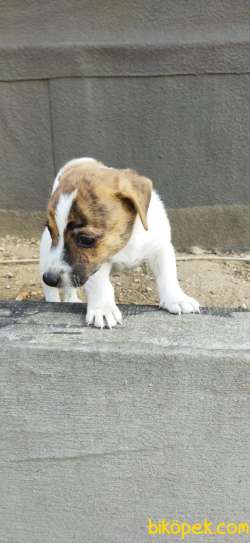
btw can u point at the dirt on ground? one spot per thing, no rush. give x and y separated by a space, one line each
215 283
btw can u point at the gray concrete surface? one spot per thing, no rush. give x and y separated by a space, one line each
102 429
26 157
136 37
190 134
163 88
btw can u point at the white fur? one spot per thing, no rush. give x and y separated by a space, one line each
153 246
102 309
51 258
55 260
51 294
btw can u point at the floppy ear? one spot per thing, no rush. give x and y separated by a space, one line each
137 189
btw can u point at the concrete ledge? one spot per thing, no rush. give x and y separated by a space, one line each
197 56
133 38
102 429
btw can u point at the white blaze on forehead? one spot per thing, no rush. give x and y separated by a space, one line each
61 216
62 211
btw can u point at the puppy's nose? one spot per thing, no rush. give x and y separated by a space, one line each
51 278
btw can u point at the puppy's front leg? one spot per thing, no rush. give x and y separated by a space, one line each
102 310
172 297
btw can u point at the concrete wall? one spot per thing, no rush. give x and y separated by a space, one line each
101 430
162 87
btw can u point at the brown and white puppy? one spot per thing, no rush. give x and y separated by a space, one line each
99 216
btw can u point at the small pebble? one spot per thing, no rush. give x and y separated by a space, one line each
23 295
195 250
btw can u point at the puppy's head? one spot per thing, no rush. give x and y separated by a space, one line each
90 218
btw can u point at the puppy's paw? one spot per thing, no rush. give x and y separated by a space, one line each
180 304
106 316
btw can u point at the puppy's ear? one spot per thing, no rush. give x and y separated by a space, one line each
137 189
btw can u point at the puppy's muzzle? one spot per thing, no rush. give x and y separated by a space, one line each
60 279
52 279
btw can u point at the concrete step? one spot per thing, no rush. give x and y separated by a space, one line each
101 430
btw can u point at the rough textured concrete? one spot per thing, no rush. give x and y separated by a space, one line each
102 429
26 172
136 37
225 227
164 89
191 135
196 53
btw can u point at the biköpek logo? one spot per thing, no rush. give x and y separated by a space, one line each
166 527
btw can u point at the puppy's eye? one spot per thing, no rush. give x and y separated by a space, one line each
85 241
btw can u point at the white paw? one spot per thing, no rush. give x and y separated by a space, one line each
106 316
180 304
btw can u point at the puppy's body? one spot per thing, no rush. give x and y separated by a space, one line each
127 224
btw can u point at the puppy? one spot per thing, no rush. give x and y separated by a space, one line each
99 216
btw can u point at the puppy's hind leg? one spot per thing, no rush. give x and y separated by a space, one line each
172 297
51 294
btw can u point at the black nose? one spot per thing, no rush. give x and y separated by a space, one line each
51 278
